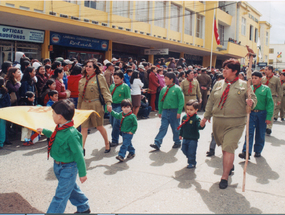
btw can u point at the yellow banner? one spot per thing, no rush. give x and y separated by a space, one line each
34 117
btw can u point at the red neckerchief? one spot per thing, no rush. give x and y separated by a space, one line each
123 117
186 120
57 128
85 86
190 85
282 82
226 92
268 79
166 92
116 85
256 87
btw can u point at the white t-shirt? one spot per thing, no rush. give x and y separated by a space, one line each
136 87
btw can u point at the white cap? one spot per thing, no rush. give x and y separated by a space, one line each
106 61
68 61
190 67
36 65
114 59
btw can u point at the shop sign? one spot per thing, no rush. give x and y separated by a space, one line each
78 41
262 64
156 51
21 34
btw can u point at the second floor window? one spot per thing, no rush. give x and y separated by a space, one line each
175 17
266 41
256 35
160 14
142 11
121 8
221 30
98 5
199 26
250 32
188 22
243 26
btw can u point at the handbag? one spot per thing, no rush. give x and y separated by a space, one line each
101 98
13 97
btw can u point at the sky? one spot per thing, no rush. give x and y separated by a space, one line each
274 13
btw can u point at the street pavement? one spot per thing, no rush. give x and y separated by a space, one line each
153 181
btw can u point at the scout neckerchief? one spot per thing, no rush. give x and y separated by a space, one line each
116 85
282 82
190 85
186 120
166 92
256 87
226 92
268 79
57 128
123 117
87 79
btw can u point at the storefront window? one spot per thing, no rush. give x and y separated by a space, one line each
83 56
6 51
32 51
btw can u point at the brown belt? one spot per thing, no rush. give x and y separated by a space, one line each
256 111
58 162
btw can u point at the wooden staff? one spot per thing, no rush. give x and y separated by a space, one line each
248 111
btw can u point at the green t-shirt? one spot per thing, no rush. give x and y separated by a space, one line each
129 124
173 100
122 92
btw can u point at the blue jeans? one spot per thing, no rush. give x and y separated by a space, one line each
127 145
168 116
257 123
115 123
67 189
189 148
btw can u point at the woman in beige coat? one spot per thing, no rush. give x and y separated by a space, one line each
88 99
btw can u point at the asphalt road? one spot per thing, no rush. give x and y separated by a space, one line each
153 181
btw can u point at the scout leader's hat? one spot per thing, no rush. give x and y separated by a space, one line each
256 73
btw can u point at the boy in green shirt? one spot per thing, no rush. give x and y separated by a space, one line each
189 131
119 91
65 147
128 126
260 116
171 102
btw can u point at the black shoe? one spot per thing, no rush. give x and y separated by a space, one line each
210 153
154 146
175 146
84 212
257 155
84 152
232 169
223 184
268 131
275 119
7 142
113 144
243 155
107 150
120 158
130 156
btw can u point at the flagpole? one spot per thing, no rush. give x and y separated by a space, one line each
212 41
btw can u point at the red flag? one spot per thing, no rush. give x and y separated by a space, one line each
216 32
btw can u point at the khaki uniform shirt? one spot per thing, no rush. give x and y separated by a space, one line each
91 98
275 87
109 77
195 90
235 105
204 80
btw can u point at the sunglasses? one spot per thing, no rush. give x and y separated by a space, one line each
89 66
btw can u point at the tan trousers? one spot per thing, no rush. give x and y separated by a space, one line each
280 108
269 126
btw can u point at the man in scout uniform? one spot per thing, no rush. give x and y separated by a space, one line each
108 74
190 88
171 102
205 83
273 83
259 117
281 107
119 91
